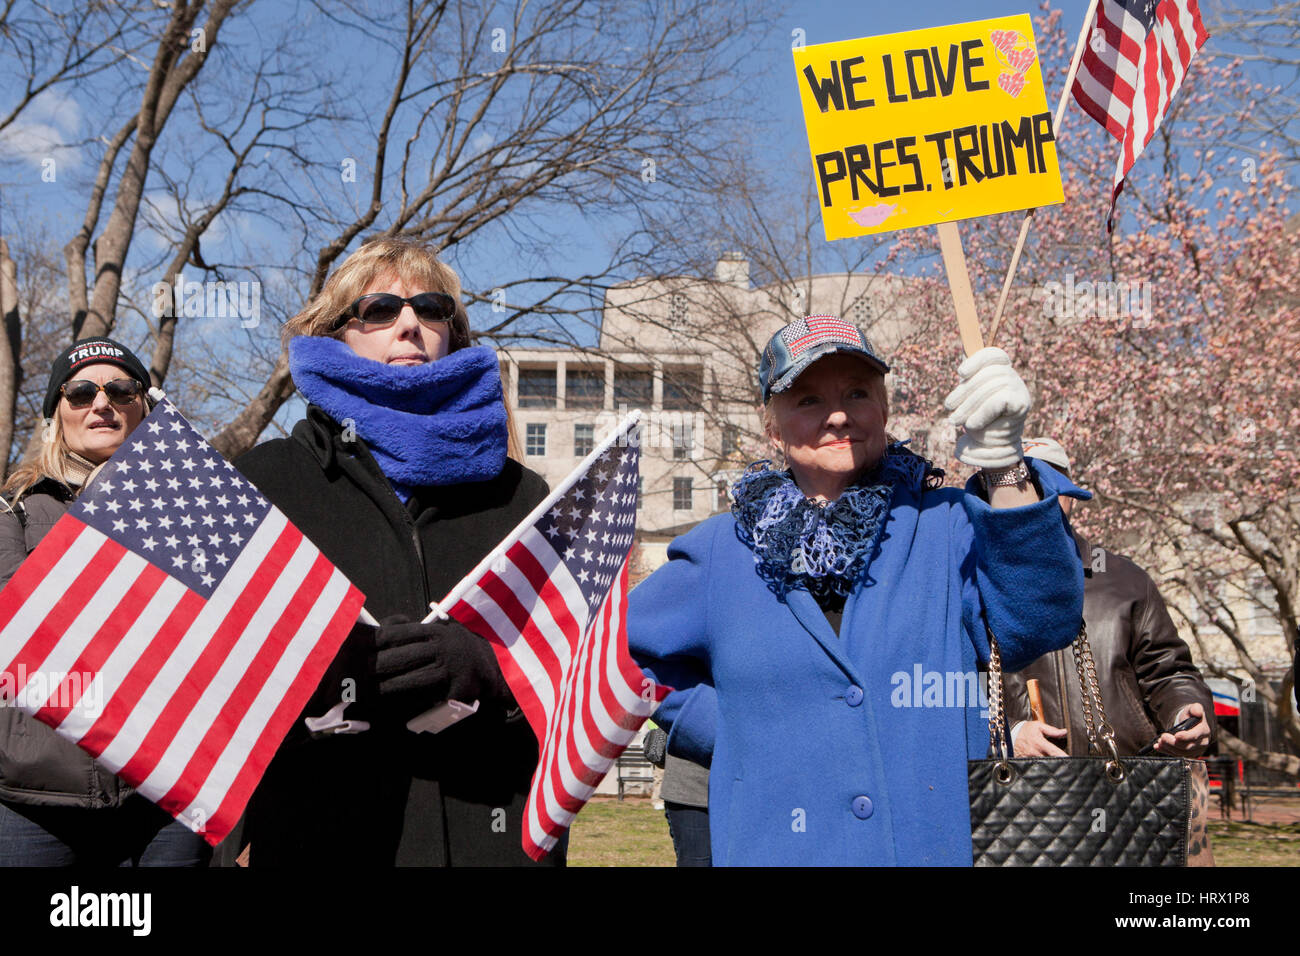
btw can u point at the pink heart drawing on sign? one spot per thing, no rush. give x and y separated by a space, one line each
872 216
1021 60
1004 40
1011 83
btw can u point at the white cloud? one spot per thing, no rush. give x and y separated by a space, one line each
42 129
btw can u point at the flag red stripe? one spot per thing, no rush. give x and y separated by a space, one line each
38 565
579 700
527 564
295 699
65 610
517 614
215 651
1173 59
141 674
550 593
591 670
249 685
1097 112
548 772
109 635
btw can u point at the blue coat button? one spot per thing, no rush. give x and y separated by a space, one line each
853 696
862 807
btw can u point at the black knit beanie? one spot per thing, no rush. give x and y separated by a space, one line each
90 352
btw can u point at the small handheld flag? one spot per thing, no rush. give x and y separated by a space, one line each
201 620
552 600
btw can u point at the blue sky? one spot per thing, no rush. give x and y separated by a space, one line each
779 144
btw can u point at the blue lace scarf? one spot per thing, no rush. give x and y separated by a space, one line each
823 547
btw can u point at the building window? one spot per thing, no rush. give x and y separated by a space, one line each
682 499
537 387
677 311
535 439
584 388
1264 616
730 440
721 500
633 387
863 312
684 389
584 440
683 441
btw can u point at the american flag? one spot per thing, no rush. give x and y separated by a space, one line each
552 599
1135 58
205 617
802 334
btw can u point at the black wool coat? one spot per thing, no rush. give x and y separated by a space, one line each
388 796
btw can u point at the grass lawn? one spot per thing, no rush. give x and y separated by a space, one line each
1237 843
632 833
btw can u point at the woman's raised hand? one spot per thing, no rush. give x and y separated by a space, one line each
991 403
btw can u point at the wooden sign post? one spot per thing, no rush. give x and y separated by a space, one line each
929 127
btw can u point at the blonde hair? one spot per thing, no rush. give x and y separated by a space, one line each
415 263
52 462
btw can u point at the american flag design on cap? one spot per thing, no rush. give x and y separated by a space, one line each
802 334
804 341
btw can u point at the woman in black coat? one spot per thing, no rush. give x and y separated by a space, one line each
399 475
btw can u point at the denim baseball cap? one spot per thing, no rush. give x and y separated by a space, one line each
792 349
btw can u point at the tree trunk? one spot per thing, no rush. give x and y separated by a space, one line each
1286 763
241 434
173 69
10 350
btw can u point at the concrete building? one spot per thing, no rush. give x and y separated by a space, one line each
683 350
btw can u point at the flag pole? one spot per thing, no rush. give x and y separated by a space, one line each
438 611
1056 130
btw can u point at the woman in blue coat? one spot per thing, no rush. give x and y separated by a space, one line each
823 640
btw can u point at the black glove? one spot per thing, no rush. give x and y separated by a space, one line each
418 666
656 747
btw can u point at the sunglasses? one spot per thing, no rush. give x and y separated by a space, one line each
80 393
382 308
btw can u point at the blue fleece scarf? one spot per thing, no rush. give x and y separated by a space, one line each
799 543
442 423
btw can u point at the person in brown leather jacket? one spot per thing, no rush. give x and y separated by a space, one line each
1147 679
58 806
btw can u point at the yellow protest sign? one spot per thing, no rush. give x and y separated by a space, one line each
928 126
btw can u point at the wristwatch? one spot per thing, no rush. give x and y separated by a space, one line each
1004 477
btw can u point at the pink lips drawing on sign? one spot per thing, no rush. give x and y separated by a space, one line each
1011 83
872 216
1021 60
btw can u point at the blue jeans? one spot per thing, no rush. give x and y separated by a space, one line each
689 828
134 834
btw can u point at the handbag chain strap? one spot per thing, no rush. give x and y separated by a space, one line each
1094 715
1101 737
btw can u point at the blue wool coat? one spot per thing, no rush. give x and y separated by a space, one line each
852 750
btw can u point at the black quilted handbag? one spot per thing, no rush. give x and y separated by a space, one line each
1076 811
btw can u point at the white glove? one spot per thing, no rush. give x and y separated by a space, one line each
991 403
